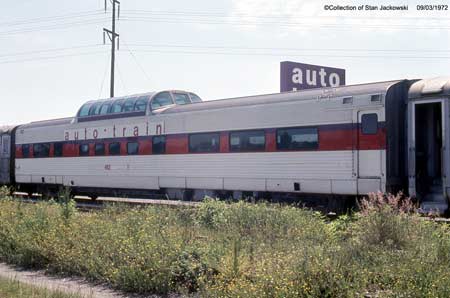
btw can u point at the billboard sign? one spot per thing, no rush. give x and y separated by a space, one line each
298 76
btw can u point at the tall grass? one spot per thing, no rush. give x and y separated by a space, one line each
15 289
235 250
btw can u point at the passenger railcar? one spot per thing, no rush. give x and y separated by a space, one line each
334 142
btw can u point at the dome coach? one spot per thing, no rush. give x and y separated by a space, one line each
324 145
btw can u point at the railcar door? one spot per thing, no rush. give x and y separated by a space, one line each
5 148
427 152
370 150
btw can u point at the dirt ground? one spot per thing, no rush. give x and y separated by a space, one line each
68 285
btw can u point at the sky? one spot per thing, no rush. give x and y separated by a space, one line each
52 57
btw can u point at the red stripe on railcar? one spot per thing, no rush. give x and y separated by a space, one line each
51 152
145 146
224 142
340 139
123 146
19 153
70 150
331 138
91 149
177 144
271 140
372 141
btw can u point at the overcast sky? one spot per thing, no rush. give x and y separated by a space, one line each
52 59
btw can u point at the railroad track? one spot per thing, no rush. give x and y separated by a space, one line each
86 203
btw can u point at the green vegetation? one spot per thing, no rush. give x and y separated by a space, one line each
235 250
14 289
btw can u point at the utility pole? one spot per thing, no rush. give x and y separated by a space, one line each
112 37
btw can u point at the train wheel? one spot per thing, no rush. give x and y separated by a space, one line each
188 195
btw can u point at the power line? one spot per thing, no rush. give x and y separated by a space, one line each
222 47
282 24
293 55
121 80
271 15
136 61
52 18
53 27
50 58
48 50
103 81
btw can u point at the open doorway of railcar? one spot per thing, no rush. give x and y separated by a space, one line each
429 156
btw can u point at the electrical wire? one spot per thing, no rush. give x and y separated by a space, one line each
51 18
221 47
293 55
120 76
53 27
267 15
281 24
136 61
104 77
50 58
48 50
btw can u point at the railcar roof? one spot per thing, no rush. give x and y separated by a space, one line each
6 128
430 87
433 86
110 99
52 122
316 93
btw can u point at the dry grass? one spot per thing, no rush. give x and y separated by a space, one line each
14 289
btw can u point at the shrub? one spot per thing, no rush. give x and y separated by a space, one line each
5 192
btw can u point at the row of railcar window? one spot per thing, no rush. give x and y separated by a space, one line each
137 104
296 138
239 141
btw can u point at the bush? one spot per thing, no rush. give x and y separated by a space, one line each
5 192
386 220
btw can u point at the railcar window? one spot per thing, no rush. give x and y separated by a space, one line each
117 106
84 149
141 104
161 100
105 108
114 148
297 138
26 150
205 142
58 149
132 148
99 149
369 124
128 106
84 111
41 150
95 109
254 140
195 97
181 98
159 145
